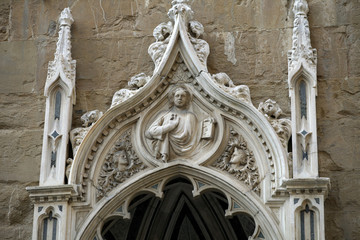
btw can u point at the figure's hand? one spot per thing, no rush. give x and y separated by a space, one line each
173 122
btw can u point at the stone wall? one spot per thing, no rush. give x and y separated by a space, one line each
249 40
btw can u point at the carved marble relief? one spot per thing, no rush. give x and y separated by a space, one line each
135 84
238 160
178 132
301 43
121 162
241 92
164 30
282 126
77 135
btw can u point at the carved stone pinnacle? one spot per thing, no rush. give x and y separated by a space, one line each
66 17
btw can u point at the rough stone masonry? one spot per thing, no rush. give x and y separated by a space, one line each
249 41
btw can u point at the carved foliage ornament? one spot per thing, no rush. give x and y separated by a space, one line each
62 57
272 111
164 30
301 46
77 135
135 84
239 161
121 162
241 92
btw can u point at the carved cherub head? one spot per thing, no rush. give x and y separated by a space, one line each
270 108
138 80
90 117
180 97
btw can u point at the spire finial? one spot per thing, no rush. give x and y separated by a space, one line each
66 17
301 7
181 7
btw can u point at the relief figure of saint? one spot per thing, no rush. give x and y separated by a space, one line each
177 131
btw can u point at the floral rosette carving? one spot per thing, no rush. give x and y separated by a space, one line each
120 164
239 161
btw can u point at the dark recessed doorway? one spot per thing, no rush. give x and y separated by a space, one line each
179 216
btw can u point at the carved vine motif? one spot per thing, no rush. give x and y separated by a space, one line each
180 73
282 127
120 164
239 161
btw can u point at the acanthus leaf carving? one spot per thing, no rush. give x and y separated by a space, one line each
121 162
241 92
164 30
136 83
282 126
77 135
181 7
302 50
239 161
62 57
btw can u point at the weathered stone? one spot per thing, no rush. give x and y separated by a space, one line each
248 41
16 211
21 153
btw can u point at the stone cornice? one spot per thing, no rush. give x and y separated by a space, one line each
59 193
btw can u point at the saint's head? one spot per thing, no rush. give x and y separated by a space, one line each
180 97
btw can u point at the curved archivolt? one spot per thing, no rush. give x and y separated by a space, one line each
188 199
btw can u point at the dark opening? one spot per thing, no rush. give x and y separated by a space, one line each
179 216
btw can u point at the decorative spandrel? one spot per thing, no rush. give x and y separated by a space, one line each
121 162
180 131
239 161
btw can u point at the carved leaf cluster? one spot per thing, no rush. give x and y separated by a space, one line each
239 161
121 163
164 30
282 126
77 135
241 92
301 46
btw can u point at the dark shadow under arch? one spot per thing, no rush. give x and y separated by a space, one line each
178 215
